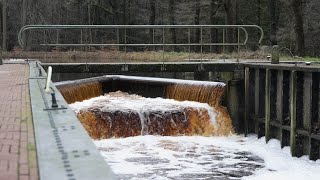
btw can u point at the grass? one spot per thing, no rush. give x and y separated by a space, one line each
306 58
104 56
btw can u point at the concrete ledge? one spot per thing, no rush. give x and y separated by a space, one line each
64 149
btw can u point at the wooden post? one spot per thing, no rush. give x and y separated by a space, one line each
307 100
293 112
307 103
246 98
267 104
279 102
256 99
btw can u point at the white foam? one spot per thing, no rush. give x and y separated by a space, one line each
141 105
175 162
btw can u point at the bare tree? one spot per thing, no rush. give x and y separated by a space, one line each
296 6
152 18
172 22
230 9
273 22
214 7
4 25
197 21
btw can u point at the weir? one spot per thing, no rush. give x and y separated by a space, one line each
173 118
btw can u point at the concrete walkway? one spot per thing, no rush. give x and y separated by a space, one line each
17 144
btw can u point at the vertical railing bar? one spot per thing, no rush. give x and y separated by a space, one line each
189 42
86 51
81 42
201 44
154 47
163 36
118 46
81 39
238 56
125 45
223 41
45 41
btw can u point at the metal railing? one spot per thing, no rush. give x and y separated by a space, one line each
164 43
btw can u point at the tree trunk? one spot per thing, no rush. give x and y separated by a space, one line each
24 22
230 8
1 24
213 21
124 18
296 6
172 22
4 25
273 22
152 19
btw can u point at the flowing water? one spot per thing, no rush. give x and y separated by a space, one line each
80 92
120 114
151 141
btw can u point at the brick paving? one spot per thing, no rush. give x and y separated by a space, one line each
17 144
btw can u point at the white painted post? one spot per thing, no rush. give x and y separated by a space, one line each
49 74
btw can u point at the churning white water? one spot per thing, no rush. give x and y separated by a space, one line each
196 157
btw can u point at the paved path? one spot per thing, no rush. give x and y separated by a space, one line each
17 144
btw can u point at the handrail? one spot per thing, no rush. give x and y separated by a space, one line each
242 27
